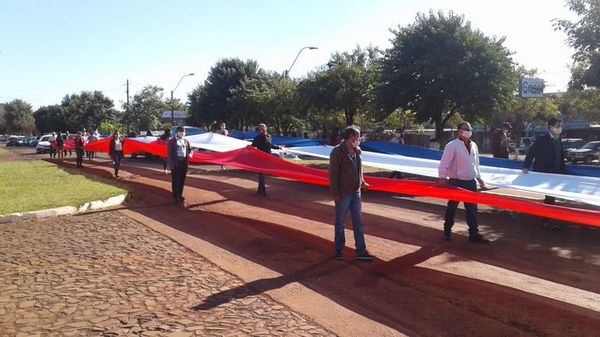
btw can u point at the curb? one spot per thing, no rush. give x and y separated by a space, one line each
61 211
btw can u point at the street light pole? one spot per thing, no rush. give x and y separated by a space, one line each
172 91
287 72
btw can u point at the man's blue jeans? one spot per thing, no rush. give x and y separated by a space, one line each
352 202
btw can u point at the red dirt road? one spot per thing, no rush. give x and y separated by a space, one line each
527 282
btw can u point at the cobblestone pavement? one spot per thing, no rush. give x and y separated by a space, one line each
104 274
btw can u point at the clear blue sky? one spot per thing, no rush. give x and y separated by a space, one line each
51 48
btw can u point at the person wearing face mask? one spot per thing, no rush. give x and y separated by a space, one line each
345 184
178 150
546 154
459 167
263 143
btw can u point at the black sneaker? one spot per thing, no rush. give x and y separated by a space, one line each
478 238
365 256
339 256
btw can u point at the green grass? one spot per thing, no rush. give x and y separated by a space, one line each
36 185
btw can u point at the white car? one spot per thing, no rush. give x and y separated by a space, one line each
43 145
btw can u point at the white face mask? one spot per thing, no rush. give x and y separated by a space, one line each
557 131
467 134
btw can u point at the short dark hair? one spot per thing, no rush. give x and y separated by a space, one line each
350 131
180 128
553 121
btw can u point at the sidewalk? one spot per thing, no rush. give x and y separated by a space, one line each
104 274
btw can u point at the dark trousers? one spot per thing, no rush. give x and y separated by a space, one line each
470 209
117 156
178 177
261 183
79 153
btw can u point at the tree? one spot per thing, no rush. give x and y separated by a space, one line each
212 102
440 66
584 36
2 120
535 110
18 117
274 100
345 85
50 118
86 110
146 109
401 119
581 103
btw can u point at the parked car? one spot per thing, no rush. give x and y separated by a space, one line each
523 144
572 143
588 153
15 141
43 145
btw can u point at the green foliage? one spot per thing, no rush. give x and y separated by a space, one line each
86 110
76 112
439 66
145 109
345 85
583 35
34 184
107 128
401 119
535 110
51 118
274 99
17 117
581 103
213 102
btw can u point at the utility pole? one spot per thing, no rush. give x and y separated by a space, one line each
127 94
127 106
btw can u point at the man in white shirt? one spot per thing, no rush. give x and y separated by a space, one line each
460 167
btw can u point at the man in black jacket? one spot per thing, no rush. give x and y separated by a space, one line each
263 143
178 151
547 157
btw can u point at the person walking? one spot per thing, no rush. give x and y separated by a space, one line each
500 141
547 156
223 131
90 139
79 148
115 151
52 141
60 145
179 151
345 184
263 143
165 138
459 167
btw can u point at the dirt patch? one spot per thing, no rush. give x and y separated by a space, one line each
528 281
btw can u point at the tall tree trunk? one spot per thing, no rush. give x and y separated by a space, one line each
439 127
349 113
